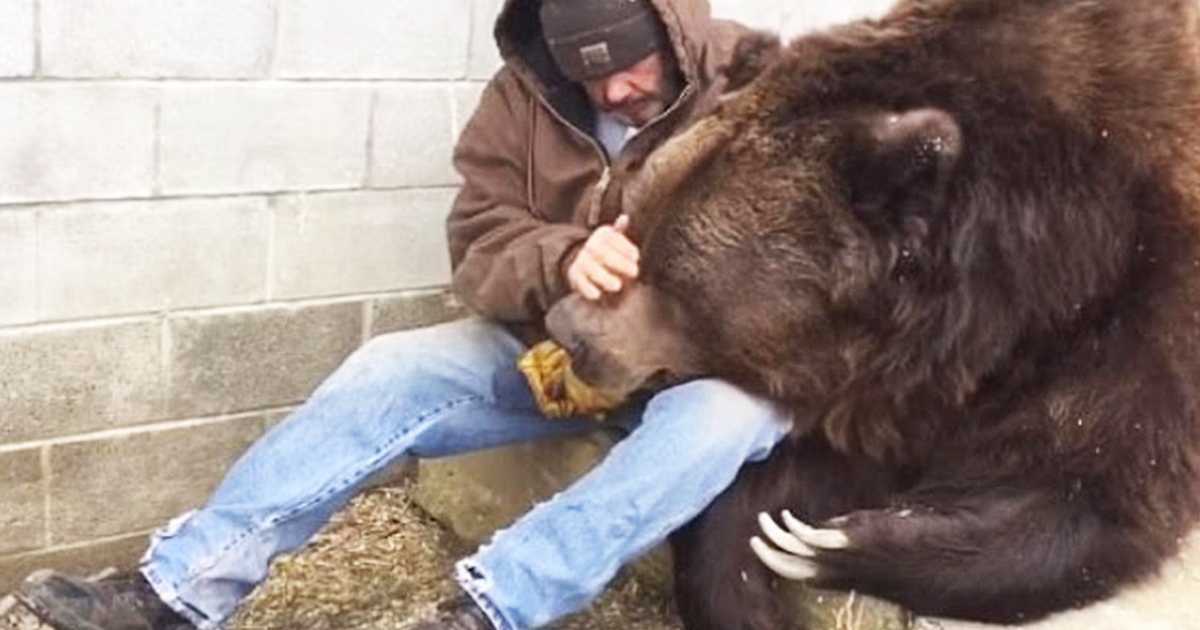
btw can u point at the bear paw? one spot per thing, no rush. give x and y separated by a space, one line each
800 544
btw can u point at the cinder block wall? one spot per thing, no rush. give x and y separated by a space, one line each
204 206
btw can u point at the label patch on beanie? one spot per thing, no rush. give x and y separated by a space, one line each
596 56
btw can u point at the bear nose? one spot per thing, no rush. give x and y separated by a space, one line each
560 324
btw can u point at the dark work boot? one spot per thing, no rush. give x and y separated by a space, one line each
459 614
123 602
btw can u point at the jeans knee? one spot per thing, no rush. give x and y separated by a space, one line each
381 347
720 414
709 401
388 361
388 350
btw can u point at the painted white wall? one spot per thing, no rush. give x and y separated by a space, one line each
794 17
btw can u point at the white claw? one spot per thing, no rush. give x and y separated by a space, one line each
788 567
783 539
812 537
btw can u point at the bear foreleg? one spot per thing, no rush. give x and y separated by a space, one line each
721 586
1000 555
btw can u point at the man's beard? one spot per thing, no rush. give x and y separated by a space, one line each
648 107
646 110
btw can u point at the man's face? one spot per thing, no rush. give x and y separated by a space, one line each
636 94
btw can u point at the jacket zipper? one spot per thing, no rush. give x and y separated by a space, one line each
593 218
683 95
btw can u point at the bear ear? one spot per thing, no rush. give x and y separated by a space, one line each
901 162
753 52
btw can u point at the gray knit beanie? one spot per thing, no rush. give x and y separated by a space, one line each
591 39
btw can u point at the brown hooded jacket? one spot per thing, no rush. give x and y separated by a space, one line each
531 165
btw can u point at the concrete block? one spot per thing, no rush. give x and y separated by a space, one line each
68 380
273 418
257 359
413 136
23 519
484 56
479 493
143 38
18 267
86 559
120 485
397 39
255 137
148 256
76 141
347 243
16 38
416 310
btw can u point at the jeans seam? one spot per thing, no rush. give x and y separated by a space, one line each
342 483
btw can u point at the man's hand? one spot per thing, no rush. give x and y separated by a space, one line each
606 261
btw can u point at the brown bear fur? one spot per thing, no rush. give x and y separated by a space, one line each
961 244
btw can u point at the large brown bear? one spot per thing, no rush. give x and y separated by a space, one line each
961 244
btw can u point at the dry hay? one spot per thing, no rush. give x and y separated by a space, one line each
14 616
384 563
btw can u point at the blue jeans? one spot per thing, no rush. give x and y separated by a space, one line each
450 389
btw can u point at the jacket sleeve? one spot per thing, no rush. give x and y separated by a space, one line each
507 262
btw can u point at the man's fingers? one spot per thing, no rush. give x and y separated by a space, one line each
607 259
590 277
609 244
588 290
616 262
603 278
578 280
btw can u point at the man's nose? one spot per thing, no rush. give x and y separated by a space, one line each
617 90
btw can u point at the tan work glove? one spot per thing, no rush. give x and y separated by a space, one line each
558 391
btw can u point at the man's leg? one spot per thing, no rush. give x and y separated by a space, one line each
426 393
691 442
